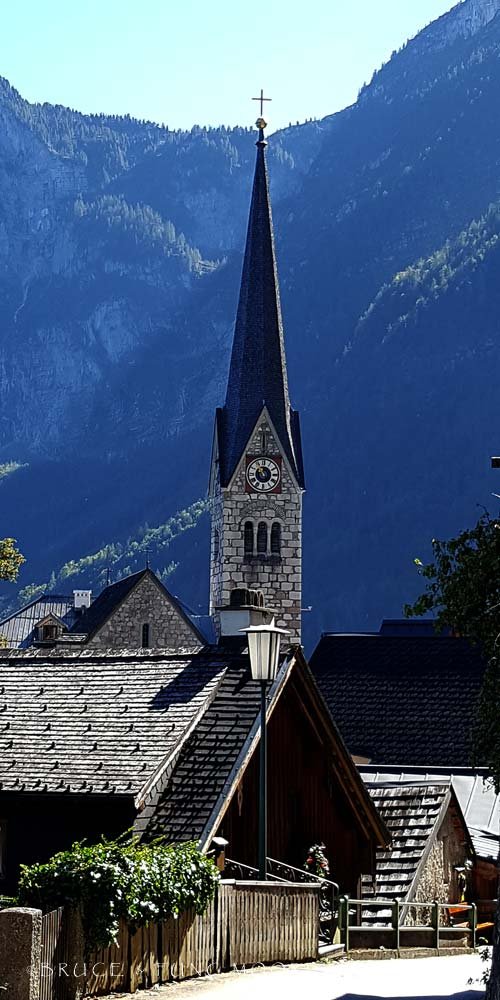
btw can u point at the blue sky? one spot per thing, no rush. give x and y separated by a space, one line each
188 62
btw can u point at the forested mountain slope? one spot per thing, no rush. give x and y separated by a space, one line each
120 246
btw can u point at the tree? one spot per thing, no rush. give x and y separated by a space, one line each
463 591
11 559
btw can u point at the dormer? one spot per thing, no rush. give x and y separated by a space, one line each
49 629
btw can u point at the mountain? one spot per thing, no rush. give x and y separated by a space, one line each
120 256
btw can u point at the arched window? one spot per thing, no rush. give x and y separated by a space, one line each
276 539
249 538
262 538
146 639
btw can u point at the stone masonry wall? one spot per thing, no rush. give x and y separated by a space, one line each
20 953
280 579
146 603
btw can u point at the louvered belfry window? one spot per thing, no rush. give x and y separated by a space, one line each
249 538
276 539
262 538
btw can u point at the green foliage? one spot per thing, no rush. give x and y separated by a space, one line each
121 558
7 468
31 592
141 227
117 879
463 592
11 559
420 284
7 901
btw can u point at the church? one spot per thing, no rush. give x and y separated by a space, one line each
128 712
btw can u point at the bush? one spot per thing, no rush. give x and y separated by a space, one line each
113 879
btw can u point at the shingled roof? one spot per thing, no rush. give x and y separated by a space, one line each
183 807
96 722
189 801
19 627
413 815
401 699
258 375
476 795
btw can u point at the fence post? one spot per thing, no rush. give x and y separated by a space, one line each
435 923
332 922
346 923
342 919
474 926
21 952
395 922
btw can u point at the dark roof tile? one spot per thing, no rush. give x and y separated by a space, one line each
208 757
406 700
91 700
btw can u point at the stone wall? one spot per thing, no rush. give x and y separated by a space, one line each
20 953
148 604
280 578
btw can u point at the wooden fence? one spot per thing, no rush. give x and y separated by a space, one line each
55 941
247 923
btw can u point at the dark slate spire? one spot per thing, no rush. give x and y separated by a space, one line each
257 375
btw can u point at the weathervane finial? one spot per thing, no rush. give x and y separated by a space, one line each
261 122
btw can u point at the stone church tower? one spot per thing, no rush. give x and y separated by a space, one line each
257 477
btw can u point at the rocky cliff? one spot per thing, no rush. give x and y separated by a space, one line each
120 256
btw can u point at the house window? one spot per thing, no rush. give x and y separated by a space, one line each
248 538
262 538
146 638
47 632
276 539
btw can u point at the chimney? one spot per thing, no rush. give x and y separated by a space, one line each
246 607
82 598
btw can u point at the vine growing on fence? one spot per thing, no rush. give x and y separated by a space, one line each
116 879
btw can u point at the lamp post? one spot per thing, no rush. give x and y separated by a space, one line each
264 650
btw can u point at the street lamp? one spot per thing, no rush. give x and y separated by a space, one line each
264 651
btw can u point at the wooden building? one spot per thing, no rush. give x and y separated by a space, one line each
95 741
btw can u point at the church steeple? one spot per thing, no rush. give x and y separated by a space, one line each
258 375
257 477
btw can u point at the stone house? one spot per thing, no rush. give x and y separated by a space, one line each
135 612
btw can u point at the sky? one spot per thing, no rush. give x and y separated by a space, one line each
187 62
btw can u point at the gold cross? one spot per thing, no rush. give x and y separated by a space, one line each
262 99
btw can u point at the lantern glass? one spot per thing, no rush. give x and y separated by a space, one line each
264 650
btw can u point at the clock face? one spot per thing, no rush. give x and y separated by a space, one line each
263 475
